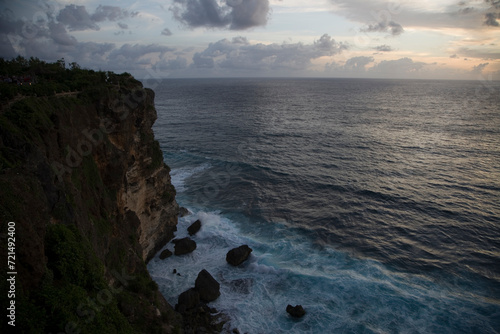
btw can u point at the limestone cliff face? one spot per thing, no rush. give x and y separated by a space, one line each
147 190
83 178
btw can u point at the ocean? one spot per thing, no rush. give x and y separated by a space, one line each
375 204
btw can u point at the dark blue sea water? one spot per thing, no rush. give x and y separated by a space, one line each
373 203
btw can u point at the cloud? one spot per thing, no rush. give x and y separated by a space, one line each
383 48
166 32
482 53
230 14
133 52
357 63
479 68
51 39
179 63
491 19
249 13
397 68
111 13
376 15
60 36
385 26
76 18
239 54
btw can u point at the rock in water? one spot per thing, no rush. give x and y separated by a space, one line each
184 246
194 227
237 256
296 311
207 286
166 253
183 212
187 300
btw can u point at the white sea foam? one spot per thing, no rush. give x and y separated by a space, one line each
339 293
179 175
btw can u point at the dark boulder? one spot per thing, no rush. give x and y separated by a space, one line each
207 286
184 246
187 300
183 212
296 311
166 253
237 256
194 227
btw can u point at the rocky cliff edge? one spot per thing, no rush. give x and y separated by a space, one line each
83 181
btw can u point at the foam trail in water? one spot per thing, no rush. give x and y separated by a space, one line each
179 175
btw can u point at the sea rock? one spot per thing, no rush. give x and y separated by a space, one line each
207 286
296 311
183 212
165 253
187 300
237 256
184 246
194 227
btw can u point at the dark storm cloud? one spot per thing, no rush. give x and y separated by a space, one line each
76 18
238 54
248 14
230 14
491 19
50 38
60 36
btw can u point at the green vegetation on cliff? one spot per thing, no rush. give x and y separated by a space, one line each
68 137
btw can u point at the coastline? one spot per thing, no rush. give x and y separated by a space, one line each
83 181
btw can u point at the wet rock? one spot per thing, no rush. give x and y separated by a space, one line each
237 256
183 212
187 300
184 246
207 286
296 311
166 253
194 227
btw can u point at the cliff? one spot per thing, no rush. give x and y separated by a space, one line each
84 183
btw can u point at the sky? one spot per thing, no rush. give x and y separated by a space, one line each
425 39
